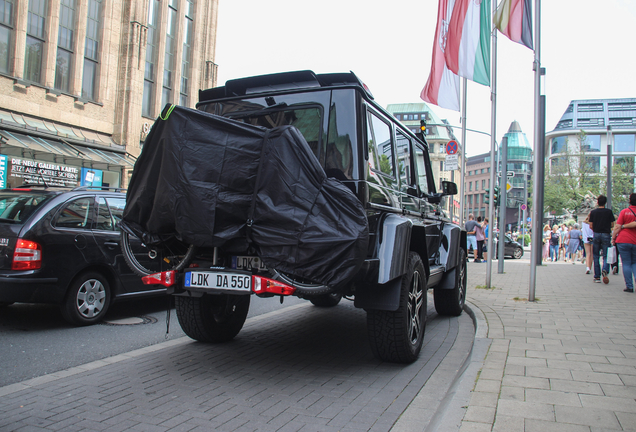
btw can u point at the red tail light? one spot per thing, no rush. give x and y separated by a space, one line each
167 278
27 255
263 285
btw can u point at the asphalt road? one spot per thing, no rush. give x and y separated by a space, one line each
35 340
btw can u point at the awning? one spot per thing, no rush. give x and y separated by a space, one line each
31 138
59 151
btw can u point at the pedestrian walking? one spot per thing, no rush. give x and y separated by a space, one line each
601 221
471 239
574 237
484 249
588 238
563 232
555 243
479 235
624 237
546 242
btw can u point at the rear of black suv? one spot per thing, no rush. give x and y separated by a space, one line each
409 245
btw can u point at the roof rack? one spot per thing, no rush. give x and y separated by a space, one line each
83 188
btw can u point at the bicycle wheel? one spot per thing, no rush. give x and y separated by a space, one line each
145 260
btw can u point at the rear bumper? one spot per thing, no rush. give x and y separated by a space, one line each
29 288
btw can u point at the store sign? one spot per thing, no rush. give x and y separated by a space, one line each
51 174
91 177
4 171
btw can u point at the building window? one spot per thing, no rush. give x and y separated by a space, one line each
6 32
150 73
441 166
476 185
35 40
432 147
91 51
65 42
483 184
558 145
593 164
168 66
470 186
591 143
187 53
624 143
626 163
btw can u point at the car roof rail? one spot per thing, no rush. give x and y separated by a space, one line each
39 186
108 188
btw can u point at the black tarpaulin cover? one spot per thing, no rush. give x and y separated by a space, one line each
201 177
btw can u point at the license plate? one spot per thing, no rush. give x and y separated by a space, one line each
219 280
248 263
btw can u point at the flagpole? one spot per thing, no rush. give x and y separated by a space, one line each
537 217
493 142
463 170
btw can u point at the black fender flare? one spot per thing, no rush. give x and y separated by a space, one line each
453 238
392 246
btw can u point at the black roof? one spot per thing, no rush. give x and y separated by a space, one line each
280 82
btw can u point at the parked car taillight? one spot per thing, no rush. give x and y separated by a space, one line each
27 255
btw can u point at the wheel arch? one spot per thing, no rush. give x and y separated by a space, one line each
453 239
112 279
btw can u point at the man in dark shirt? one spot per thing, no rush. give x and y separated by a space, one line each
601 222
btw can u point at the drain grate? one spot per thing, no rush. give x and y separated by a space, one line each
138 320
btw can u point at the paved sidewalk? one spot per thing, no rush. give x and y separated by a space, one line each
566 362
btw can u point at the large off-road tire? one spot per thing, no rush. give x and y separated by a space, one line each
397 336
451 301
212 318
87 299
326 300
172 255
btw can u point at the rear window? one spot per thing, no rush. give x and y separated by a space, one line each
16 207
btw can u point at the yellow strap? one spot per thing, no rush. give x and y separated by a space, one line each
168 113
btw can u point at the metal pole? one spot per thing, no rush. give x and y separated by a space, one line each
609 167
538 141
525 203
493 132
463 170
503 193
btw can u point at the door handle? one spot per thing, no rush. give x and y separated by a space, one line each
111 244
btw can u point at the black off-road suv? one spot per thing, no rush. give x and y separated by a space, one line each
298 184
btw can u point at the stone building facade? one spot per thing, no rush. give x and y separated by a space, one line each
82 81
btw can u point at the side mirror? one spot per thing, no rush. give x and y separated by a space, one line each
449 188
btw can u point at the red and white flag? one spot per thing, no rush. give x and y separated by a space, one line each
442 87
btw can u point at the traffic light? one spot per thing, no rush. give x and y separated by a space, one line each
495 195
422 131
487 197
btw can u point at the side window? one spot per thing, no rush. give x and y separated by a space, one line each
403 145
109 213
76 214
379 135
420 162
104 221
116 206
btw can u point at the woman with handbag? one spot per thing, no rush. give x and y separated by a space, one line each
624 237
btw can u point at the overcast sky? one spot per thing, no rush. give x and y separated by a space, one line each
587 48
